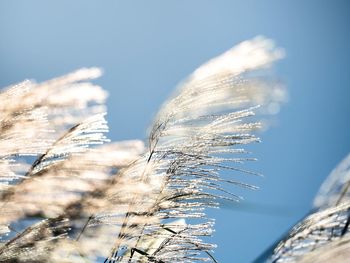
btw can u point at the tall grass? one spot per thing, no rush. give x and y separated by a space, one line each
69 195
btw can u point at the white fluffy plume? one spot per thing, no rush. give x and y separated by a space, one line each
124 203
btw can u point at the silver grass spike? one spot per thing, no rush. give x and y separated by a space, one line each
62 183
28 116
66 170
76 140
68 99
35 242
41 189
336 188
58 197
208 116
32 115
325 232
314 233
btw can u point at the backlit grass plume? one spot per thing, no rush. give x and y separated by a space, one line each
323 236
122 202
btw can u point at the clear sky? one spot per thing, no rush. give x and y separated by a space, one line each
147 47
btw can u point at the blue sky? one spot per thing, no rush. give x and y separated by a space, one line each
147 47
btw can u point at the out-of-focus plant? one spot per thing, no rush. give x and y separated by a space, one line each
323 236
124 202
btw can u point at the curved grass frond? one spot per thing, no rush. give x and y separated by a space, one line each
325 231
206 118
52 180
23 132
72 189
31 113
32 116
314 233
76 140
336 188
68 99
